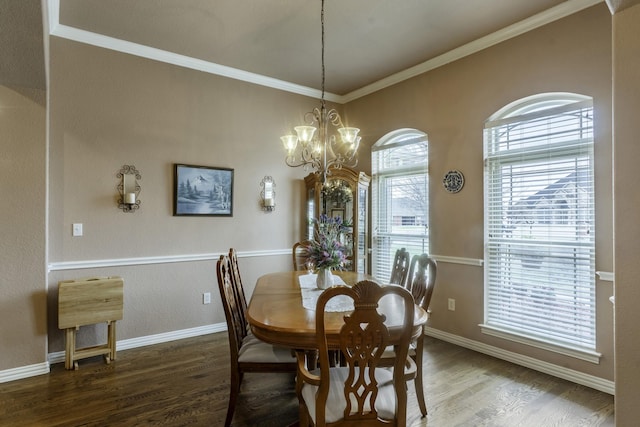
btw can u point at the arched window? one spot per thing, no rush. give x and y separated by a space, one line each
399 197
539 221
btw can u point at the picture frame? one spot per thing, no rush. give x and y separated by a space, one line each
202 190
338 212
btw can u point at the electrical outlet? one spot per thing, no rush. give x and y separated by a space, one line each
206 298
77 230
452 304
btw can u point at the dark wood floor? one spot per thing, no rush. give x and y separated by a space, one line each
186 383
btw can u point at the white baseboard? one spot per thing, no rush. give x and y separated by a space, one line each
594 382
58 356
577 377
24 372
170 336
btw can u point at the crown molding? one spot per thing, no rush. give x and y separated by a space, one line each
123 46
558 12
564 9
616 6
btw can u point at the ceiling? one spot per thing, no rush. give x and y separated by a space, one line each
277 42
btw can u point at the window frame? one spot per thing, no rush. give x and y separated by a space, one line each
381 262
537 106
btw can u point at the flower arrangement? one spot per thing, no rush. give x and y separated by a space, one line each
326 251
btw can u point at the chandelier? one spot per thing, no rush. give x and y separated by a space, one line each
315 144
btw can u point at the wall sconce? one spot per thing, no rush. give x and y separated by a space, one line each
128 188
268 194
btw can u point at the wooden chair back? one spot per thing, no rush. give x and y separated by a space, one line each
299 255
363 339
235 326
420 282
422 279
258 356
238 287
400 267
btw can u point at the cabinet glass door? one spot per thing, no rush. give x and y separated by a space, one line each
337 201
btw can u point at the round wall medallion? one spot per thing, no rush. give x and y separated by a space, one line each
453 181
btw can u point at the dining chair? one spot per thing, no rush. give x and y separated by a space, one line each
298 253
248 353
400 267
420 282
422 279
238 287
352 394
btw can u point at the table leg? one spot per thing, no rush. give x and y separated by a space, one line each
111 340
70 347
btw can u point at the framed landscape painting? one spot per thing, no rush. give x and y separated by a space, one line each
202 191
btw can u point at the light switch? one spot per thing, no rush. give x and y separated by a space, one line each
77 230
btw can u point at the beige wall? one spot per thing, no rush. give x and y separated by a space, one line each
451 105
23 329
109 109
626 96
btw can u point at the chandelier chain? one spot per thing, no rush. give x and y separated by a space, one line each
314 146
322 48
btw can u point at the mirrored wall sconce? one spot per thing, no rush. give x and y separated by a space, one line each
268 194
129 188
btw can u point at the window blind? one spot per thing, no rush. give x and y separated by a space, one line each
400 202
539 225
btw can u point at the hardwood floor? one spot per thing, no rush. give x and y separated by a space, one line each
186 382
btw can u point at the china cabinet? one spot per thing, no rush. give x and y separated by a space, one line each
345 193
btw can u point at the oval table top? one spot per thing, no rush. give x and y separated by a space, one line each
277 316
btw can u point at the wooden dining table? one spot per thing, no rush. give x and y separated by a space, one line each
277 316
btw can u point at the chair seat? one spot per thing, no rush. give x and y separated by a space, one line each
255 351
389 352
410 370
336 402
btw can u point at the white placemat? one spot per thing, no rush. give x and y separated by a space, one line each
310 294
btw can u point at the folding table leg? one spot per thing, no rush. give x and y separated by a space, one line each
70 348
111 341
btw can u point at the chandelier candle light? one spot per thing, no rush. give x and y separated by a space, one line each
313 145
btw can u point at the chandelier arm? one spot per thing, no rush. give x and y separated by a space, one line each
295 162
334 118
304 157
292 162
313 117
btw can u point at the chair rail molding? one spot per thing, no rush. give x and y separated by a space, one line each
477 262
607 276
160 259
212 256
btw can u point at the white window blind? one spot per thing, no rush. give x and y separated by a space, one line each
539 224
399 197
